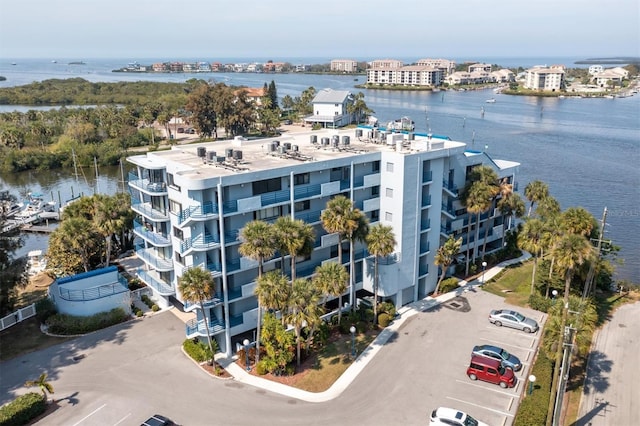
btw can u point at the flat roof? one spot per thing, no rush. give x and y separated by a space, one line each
261 154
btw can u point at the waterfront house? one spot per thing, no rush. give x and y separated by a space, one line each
331 109
192 201
91 292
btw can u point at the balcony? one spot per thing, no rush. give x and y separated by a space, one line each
427 176
150 279
196 328
199 243
425 247
146 234
309 217
449 211
145 209
425 224
426 201
274 198
306 191
205 211
150 257
121 286
214 301
155 188
450 188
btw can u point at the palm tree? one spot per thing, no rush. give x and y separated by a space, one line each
272 290
477 199
296 238
570 252
331 279
530 239
258 243
108 220
444 257
380 243
340 217
578 221
41 383
358 234
196 286
535 191
513 206
303 304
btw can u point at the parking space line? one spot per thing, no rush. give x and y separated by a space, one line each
480 406
513 331
489 389
510 404
498 342
122 419
90 414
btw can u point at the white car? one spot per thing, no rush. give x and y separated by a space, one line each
452 417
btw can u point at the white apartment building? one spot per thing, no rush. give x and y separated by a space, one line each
344 65
445 65
411 75
479 68
595 69
386 63
550 79
192 201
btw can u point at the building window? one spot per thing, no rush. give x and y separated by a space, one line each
177 232
178 258
175 207
267 185
171 182
301 179
302 205
388 216
268 213
390 167
375 191
375 166
389 192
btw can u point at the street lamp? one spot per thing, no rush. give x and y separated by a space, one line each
554 293
484 266
532 379
246 352
353 340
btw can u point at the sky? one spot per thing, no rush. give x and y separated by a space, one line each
336 29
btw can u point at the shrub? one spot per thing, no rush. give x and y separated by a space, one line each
448 285
69 324
199 351
388 308
147 301
539 303
533 408
262 367
44 309
139 313
384 319
22 409
155 308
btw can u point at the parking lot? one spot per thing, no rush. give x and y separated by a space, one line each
442 340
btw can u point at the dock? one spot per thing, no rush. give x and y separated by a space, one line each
37 229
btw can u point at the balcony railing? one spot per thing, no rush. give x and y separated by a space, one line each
106 290
204 211
214 301
146 184
450 186
150 257
196 327
274 197
161 286
309 217
449 210
199 242
426 201
427 176
425 224
306 191
145 210
147 234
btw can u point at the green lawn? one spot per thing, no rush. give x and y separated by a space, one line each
513 283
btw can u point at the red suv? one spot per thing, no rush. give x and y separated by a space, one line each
491 370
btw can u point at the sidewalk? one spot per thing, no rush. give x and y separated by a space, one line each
241 375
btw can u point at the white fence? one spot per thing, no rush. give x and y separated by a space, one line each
17 316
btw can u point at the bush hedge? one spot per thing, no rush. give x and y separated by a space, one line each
44 309
65 324
540 303
384 319
198 350
449 284
533 408
22 409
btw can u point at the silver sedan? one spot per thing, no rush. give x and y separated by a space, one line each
513 319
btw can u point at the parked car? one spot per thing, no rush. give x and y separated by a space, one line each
157 420
513 319
508 360
452 417
492 371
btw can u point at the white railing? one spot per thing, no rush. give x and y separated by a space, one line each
18 316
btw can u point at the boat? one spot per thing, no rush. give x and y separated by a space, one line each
8 209
53 61
491 101
34 207
77 63
36 262
402 124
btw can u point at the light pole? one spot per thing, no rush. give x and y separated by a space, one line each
484 266
246 352
532 380
554 293
353 340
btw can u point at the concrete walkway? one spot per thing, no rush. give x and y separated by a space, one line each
242 376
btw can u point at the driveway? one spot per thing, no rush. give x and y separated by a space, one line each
611 392
124 374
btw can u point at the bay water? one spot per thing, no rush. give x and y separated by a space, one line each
586 149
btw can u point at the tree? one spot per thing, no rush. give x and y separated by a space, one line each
278 344
530 239
12 268
444 257
535 191
42 383
108 220
579 221
331 280
380 243
75 246
303 304
476 197
201 105
296 239
273 290
512 206
258 243
272 93
196 286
